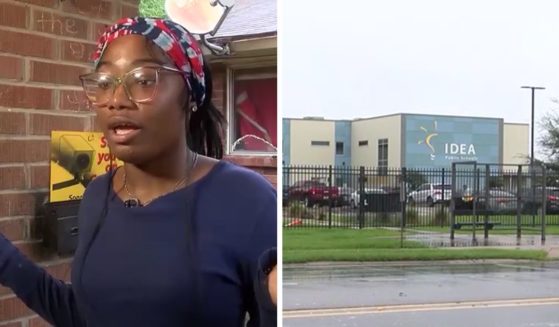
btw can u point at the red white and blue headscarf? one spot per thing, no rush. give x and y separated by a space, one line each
172 38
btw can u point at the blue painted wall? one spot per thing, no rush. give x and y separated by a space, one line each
343 134
286 139
437 141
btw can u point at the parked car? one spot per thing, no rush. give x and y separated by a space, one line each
499 201
532 201
345 195
356 199
430 194
314 192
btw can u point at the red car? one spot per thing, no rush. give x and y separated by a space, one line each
314 192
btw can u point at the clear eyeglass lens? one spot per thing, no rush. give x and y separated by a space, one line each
141 85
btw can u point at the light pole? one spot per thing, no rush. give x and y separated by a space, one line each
533 88
533 182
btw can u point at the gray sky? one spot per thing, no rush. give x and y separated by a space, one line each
352 58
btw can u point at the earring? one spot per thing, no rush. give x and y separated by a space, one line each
194 108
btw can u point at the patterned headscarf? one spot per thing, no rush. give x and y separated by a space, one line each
172 38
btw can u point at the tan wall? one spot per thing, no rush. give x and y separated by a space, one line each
516 149
372 130
305 131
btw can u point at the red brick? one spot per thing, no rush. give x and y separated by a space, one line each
95 125
257 162
12 178
134 2
12 324
34 250
12 308
38 322
89 8
36 228
13 15
43 3
97 30
44 124
76 51
11 68
4 291
74 100
55 73
129 11
12 123
17 204
12 96
40 176
13 229
48 22
61 271
20 151
218 76
34 45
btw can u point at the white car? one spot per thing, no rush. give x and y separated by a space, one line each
356 199
430 194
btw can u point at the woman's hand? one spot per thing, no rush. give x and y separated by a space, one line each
272 285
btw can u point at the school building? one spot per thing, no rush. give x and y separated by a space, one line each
404 140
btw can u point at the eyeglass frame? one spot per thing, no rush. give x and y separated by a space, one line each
120 81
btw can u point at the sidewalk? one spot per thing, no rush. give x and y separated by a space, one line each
528 242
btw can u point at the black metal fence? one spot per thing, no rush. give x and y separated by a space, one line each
467 195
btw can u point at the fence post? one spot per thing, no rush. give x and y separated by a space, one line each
453 203
403 199
544 203
442 197
487 198
361 196
476 197
533 186
330 204
518 202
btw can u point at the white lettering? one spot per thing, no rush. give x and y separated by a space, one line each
462 149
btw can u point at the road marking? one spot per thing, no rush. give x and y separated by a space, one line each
312 313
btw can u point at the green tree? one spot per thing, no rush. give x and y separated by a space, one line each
549 140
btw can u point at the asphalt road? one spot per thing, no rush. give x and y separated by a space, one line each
510 294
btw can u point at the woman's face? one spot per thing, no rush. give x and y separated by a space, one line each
141 132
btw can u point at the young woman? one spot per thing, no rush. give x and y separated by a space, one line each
175 237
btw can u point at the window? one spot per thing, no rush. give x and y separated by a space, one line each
320 143
339 148
363 143
383 156
253 120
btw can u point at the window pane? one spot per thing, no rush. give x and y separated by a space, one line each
320 143
339 148
255 112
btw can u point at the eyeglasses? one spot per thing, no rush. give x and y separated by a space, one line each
140 84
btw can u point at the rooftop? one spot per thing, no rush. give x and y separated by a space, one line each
250 19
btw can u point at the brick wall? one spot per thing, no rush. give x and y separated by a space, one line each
44 46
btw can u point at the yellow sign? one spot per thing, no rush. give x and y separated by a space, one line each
77 158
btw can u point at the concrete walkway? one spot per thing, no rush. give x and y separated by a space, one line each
534 242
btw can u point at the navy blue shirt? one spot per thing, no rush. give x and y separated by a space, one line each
193 257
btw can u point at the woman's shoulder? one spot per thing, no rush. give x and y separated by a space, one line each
99 185
229 175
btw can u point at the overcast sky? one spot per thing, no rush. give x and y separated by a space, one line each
349 59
